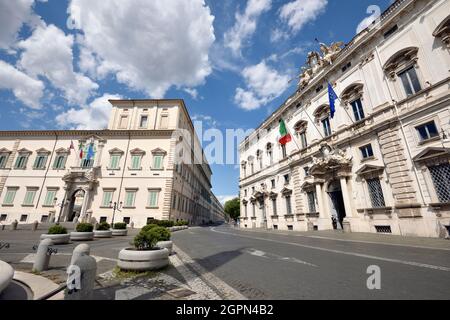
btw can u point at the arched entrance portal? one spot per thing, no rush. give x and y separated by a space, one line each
337 205
76 204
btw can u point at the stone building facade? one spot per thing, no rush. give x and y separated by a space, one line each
382 163
147 164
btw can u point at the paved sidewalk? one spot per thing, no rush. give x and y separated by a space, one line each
384 239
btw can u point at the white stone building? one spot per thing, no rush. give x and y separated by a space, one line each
142 165
382 164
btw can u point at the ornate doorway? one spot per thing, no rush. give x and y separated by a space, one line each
337 206
75 204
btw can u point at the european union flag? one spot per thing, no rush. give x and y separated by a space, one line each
332 96
90 153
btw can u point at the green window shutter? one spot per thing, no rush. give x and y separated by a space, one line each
153 199
157 162
114 161
136 162
9 197
129 200
50 198
29 197
107 198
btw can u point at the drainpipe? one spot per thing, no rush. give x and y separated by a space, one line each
402 129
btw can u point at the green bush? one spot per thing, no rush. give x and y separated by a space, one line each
166 223
120 226
162 232
182 223
104 226
149 227
146 240
57 229
153 221
85 227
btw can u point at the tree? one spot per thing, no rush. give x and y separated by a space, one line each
233 208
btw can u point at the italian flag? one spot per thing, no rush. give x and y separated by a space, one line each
285 136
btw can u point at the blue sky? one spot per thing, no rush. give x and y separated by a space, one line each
230 60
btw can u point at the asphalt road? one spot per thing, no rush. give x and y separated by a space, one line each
263 265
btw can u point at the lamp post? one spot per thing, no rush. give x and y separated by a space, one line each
116 207
60 205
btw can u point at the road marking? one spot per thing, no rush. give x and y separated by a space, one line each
349 240
411 263
262 254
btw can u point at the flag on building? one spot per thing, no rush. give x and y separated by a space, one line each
332 97
285 135
81 150
90 152
72 147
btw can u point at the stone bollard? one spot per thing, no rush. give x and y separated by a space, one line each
81 279
14 225
132 225
346 226
75 220
310 226
34 226
43 256
80 250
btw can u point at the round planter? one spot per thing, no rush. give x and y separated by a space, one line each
6 275
119 232
165 244
102 234
82 236
57 238
131 259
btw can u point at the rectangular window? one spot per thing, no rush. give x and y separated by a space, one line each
136 162
127 220
288 206
283 151
103 219
3 160
114 162
303 140
410 81
326 127
9 196
123 124
245 210
107 198
3 217
441 180
245 192
153 196
44 219
274 207
23 218
60 162
40 162
306 170
311 201
376 193
130 197
157 162
427 131
273 183
358 110
29 197
287 179
21 162
49 200
366 151
164 124
144 122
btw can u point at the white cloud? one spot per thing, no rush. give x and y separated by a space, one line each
13 15
224 198
208 120
25 88
298 13
192 92
245 25
148 45
91 117
48 53
264 84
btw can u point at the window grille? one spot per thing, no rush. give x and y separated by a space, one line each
376 193
441 180
383 229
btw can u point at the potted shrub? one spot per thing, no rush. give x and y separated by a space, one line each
58 234
84 232
103 230
163 238
119 229
145 255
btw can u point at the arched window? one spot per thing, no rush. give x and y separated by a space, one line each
259 156
269 150
322 115
403 65
353 95
300 130
443 31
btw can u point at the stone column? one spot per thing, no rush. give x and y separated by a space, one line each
84 208
98 159
320 202
348 207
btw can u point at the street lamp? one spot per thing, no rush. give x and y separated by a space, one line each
61 205
115 206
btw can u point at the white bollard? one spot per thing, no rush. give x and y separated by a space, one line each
81 279
42 256
80 250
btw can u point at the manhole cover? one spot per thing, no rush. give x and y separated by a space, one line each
180 293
